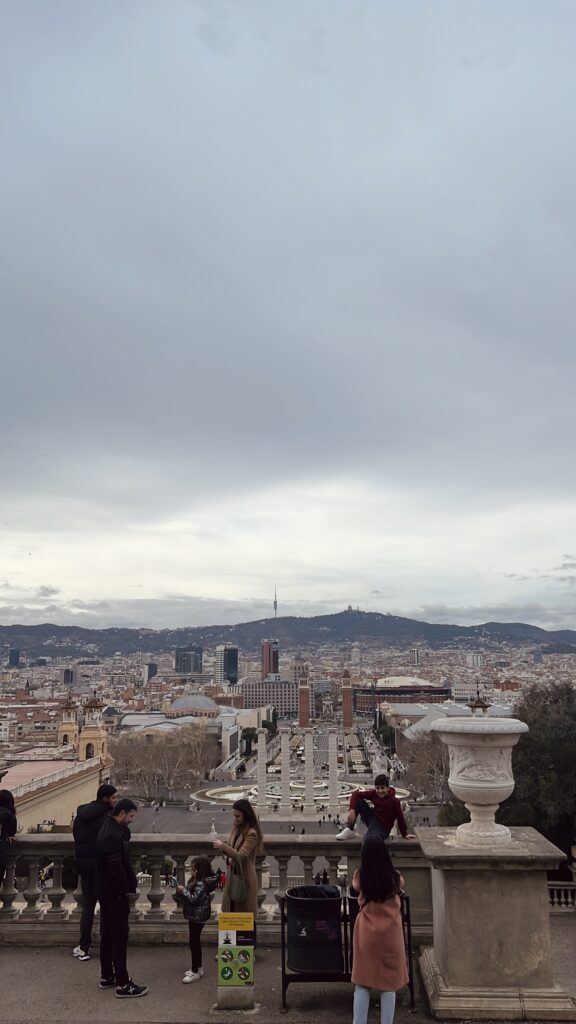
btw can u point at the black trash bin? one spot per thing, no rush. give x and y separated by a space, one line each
314 918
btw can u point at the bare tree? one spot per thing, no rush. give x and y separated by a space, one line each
427 765
157 762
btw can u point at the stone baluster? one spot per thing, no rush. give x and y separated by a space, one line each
56 893
76 912
282 859
180 869
155 894
32 891
333 861
171 907
308 862
8 893
261 915
135 911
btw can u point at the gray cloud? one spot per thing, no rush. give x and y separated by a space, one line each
548 617
250 248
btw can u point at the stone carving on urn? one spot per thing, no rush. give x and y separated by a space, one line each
495 767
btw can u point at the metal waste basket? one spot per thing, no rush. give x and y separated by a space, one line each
314 918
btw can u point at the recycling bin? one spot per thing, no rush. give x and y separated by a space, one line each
314 929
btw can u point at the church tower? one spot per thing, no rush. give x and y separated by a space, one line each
68 728
93 740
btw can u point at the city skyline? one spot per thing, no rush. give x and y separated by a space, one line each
287 302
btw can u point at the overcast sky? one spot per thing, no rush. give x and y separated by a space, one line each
287 300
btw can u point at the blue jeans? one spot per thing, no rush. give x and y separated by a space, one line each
366 814
362 1005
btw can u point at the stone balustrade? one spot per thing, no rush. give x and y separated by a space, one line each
562 897
29 916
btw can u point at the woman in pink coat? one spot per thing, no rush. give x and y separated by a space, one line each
379 954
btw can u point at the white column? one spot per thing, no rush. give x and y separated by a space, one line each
309 805
285 801
333 806
261 772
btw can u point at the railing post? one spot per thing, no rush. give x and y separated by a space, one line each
155 894
32 891
308 862
76 911
333 862
57 893
261 915
9 892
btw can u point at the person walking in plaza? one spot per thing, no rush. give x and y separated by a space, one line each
8 827
380 818
244 843
378 941
86 826
196 901
115 878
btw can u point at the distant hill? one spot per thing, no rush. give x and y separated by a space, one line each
294 633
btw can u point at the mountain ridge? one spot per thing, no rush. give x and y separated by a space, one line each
350 626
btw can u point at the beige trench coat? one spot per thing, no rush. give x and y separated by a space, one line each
242 845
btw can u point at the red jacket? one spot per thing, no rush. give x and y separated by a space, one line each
387 809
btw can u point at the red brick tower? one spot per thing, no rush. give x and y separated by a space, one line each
346 700
304 701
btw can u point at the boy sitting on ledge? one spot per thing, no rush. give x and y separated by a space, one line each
379 818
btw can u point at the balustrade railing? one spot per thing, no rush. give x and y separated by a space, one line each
28 910
562 897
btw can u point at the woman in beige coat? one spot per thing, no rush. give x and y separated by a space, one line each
244 843
379 954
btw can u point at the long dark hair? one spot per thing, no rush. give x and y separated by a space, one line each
202 867
379 879
7 800
250 819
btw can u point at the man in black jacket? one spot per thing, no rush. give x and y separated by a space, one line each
87 824
115 878
8 827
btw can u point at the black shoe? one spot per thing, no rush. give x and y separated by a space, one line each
108 982
131 990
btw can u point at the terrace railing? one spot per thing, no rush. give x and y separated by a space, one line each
31 914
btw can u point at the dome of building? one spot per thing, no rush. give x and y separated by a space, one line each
193 704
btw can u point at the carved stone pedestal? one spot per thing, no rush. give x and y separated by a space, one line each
491 957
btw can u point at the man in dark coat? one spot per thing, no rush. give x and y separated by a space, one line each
8 827
115 878
87 824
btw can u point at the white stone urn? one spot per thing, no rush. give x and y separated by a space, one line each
480 749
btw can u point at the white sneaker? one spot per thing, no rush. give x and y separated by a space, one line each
346 833
189 977
200 972
80 954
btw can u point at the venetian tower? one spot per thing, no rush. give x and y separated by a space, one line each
93 741
68 728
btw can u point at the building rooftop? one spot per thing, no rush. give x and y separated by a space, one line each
390 682
28 771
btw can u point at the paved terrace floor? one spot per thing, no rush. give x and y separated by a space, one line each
39 985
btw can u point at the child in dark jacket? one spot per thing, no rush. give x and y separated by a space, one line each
196 900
